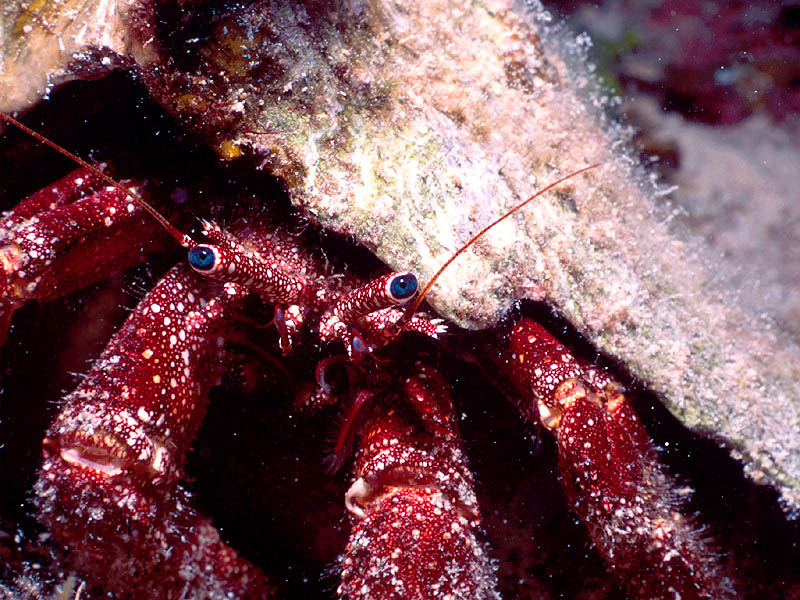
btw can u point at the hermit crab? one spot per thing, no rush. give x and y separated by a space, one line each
302 350
108 489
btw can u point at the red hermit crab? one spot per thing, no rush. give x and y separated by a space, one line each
114 456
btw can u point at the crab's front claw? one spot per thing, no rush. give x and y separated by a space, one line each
108 488
145 543
610 470
630 505
415 544
417 515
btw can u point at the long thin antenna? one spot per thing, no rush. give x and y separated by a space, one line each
418 300
183 239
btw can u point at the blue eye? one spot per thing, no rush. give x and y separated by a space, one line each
202 258
403 286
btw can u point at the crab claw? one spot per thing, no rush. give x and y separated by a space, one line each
415 544
416 508
610 471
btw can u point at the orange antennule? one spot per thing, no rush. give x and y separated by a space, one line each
183 239
418 300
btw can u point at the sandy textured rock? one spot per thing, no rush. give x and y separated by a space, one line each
411 125
43 44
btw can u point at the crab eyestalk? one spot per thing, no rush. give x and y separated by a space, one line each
232 265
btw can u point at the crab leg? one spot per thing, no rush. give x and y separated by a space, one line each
414 501
611 474
50 242
69 188
108 486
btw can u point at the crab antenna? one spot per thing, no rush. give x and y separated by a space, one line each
183 239
418 300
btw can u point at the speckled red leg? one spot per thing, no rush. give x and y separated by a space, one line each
108 486
70 187
611 474
71 234
415 537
